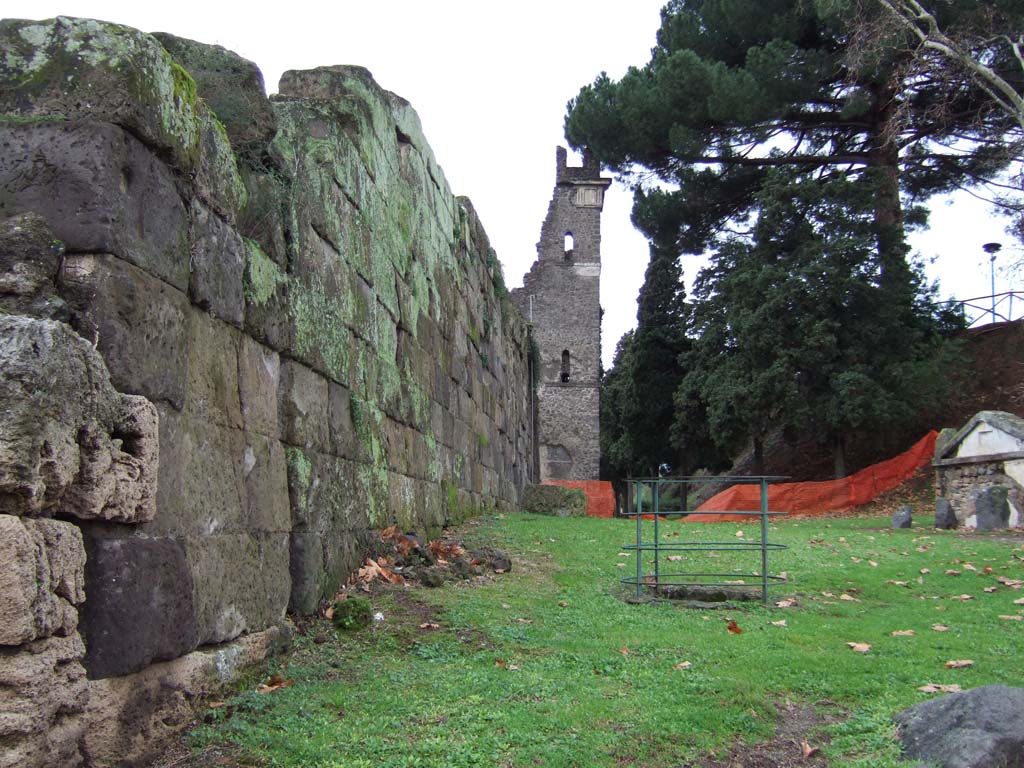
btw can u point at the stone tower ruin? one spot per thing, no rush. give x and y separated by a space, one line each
560 297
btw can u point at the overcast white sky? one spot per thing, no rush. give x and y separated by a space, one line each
490 82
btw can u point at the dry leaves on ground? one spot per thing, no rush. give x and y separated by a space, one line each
1009 617
959 664
936 688
274 683
779 623
940 627
807 750
859 647
789 602
682 665
733 627
904 633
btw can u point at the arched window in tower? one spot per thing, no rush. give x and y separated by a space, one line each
565 366
570 243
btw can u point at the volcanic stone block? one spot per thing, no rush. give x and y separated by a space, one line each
232 87
303 406
68 439
266 485
100 191
259 371
980 728
902 517
81 69
137 322
201 488
242 583
140 607
945 517
132 718
41 579
339 416
991 508
43 692
30 256
212 393
218 261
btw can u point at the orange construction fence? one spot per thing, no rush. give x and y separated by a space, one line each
599 493
825 496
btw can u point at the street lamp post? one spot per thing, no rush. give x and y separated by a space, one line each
992 249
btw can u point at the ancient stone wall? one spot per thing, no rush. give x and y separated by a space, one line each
239 334
561 299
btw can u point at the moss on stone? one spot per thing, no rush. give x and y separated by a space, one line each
262 275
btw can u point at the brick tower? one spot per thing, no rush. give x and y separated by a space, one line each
560 297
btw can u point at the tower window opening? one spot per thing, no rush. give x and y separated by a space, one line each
569 244
564 376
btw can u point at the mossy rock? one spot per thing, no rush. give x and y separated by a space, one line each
351 614
554 500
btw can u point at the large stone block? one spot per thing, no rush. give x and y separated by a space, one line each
330 500
202 485
991 508
80 69
266 485
242 583
30 256
138 323
99 189
218 263
259 371
233 88
303 406
131 719
212 394
41 579
43 692
68 440
140 606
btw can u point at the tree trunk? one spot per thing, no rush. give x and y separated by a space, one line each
839 456
883 157
758 455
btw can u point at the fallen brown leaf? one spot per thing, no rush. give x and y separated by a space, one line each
859 647
733 627
624 651
925 570
898 583
990 590
682 665
674 558
216 704
848 598
779 623
940 627
1011 583
1019 601
1009 617
952 572
274 683
964 597
904 633
429 625
789 602
936 688
807 750
959 664
563 604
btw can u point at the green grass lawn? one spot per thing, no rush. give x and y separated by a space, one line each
548 666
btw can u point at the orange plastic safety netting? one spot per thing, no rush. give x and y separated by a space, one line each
599 493
825 496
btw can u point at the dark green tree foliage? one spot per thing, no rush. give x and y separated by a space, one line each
797 329
736 87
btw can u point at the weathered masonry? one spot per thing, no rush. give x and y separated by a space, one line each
561 298
237 334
